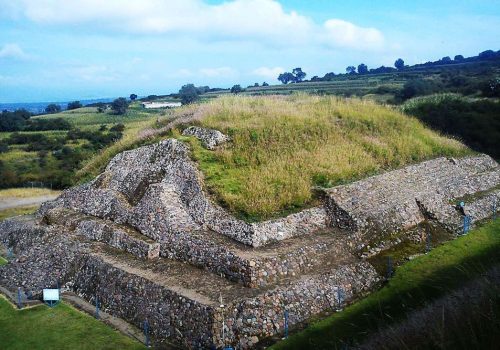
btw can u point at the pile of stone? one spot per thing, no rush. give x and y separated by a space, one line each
146 240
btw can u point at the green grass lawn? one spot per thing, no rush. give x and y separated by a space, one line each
415 283
61 327
284 146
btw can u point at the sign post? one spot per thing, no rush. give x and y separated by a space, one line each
51 297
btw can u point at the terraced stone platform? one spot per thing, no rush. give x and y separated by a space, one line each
400 199
146 240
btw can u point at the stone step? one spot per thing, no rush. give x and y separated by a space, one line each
182 302
118 236
257 267
392 201
215 252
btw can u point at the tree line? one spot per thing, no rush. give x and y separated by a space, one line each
297 75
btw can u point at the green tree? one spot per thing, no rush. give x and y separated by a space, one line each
133 97
74 105
362 69
188 94
298 74
329 76
236 89
399 64
120 105
351 70
286 77
52 108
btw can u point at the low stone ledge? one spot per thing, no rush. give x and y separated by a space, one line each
119 237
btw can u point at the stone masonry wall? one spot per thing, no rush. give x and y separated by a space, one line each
158 190
400 199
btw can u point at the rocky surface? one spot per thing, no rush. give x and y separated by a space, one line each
210 138
400 199
180 302
146 240
157 190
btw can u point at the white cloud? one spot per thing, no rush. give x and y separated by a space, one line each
267 72
263 21
345 34
13 51
224 72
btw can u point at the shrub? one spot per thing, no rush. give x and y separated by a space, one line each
119 105
476 122
74 105
52 108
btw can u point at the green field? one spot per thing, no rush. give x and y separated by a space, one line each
282 147
414 285
45 163
61 327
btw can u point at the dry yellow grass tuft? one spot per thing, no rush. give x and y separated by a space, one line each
283 146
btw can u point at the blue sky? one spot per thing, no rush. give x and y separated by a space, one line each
57 50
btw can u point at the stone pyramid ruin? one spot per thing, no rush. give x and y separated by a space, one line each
146 240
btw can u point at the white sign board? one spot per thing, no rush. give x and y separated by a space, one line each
51 295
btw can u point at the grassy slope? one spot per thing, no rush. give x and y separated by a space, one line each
414 284
61 327
283 146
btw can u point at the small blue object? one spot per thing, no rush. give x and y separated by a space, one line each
19 303
96 307
286 323
340 298
146 332
428 242
467 222
462 204
389 267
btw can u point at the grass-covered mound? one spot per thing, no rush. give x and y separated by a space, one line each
284 146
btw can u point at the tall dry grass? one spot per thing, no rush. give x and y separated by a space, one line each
283 146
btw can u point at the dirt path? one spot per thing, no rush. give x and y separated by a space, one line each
13 202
